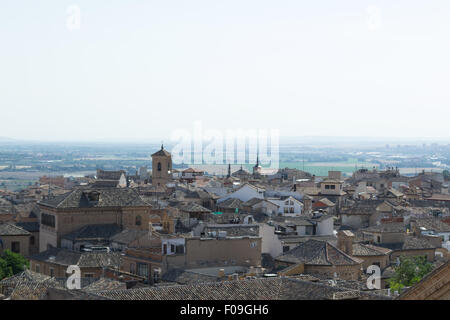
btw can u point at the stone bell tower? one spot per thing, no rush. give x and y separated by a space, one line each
161 167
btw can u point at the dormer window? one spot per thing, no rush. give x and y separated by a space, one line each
93 196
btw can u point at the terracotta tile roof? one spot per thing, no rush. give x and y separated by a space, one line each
393 227
105 184
433 224
29 226
231 203
128 235
410 243
186 277
360 249
441 273
192 207
317 252
362 208
94 231
105 284
29 285
113 197
413 243
9 229
300 239
67 257
234 230
252 202
162 153
327 202
285 288
109 175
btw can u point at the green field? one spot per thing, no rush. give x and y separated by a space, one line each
322 168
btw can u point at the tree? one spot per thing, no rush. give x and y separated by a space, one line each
5 270
11 263
410 271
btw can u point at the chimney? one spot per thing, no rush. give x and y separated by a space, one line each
345 241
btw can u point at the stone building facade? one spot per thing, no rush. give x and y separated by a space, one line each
15 239
80 207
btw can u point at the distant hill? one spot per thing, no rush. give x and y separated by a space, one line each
6 139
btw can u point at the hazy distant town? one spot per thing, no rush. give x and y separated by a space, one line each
22 163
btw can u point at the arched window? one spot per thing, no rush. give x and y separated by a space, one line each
159 166
138 220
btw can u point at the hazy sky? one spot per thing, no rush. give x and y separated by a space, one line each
140 69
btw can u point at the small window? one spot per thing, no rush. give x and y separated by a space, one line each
132 268
32 241
333 187
179 249
156 275
285 248
89 275
138 220
327 186
15 247
142 269
159 166
37 268
52 272
48 220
